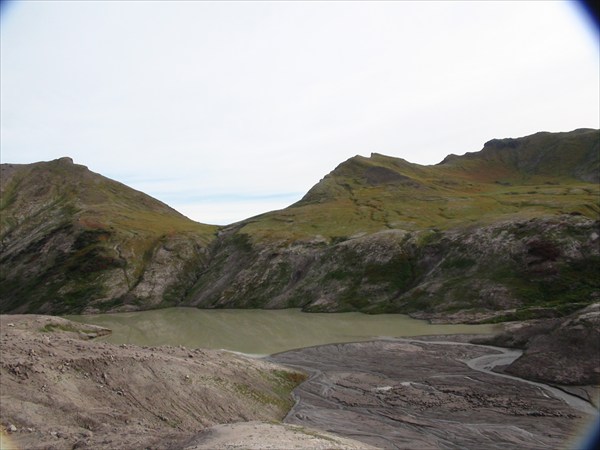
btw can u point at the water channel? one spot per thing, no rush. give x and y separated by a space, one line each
260 332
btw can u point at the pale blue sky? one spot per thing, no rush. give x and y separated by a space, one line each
225 110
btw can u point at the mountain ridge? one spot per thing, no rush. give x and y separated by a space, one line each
376 234
70 237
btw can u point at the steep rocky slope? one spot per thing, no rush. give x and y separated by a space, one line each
509 232
75 241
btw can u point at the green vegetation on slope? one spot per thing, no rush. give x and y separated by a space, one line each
544 174
380 234
72 239
512 228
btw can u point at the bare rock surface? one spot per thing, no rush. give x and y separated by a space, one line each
410 394
563 351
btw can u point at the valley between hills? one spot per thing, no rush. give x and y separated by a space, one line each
507 235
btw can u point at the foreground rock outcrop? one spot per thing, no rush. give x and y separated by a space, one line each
561 351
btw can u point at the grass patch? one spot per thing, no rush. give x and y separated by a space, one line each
53 327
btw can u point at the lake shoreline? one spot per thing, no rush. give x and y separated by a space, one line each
262 331
413 392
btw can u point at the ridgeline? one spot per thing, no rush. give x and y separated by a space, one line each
509 232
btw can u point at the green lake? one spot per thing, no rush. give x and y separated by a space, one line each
260 331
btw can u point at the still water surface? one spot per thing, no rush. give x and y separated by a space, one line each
260 331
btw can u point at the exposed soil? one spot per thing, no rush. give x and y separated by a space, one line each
62 390
261 436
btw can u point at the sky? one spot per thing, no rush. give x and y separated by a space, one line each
225 110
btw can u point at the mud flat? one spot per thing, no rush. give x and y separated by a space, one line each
415 394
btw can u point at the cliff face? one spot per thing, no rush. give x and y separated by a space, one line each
515 269
509 232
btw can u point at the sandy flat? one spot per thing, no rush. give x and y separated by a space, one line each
261 435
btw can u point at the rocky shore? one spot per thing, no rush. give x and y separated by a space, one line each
562 351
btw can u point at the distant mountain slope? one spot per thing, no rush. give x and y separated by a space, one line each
511 231
513 228
574 155
72 241
543 174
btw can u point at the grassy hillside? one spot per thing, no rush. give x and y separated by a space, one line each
540 175
73 240
511 228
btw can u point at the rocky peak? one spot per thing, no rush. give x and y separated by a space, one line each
501 143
